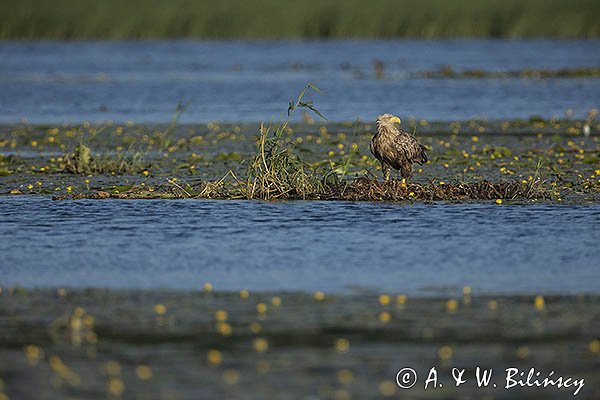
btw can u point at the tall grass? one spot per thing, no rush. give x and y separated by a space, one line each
116 19
276 170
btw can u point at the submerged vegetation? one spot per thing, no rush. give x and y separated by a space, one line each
70 19
530 73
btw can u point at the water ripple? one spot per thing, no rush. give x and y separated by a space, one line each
299 245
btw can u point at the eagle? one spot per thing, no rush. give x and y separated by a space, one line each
396 148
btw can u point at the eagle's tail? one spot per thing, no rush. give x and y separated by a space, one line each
424 158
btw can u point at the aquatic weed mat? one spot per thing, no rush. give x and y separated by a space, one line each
100 343
471 160
360 189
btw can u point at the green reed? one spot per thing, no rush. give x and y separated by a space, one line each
113 19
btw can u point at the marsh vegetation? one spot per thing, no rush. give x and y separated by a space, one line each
520 160
69 19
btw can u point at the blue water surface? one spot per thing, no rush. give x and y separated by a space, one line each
302 245
250 81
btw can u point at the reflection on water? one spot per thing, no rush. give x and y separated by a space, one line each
331 246
253 81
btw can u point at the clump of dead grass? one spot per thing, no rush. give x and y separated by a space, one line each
359 189
365 189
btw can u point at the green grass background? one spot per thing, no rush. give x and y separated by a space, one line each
252 19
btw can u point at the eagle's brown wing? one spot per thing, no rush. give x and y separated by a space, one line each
409 149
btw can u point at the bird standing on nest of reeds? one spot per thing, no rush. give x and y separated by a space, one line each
396 148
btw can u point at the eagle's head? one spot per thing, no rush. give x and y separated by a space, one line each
388 119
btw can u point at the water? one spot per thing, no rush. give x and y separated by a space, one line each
331 246
58 82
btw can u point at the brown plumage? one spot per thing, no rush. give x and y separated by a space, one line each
396 148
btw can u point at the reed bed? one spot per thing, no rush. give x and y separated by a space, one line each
142 19
276 170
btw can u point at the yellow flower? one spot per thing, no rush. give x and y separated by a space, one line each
116 386
539 303
260 345
385 317
214 357
384 299
387 388
342 345
522 352
231 376
498 201
451 305
224 328
344 376
255 327
221 315
143 372
445 353
261 308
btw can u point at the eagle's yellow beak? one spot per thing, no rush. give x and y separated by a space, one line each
395 119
